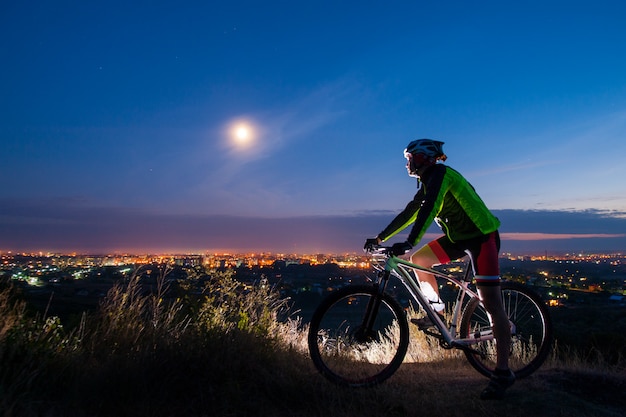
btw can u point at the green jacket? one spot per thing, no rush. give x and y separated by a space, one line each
447 198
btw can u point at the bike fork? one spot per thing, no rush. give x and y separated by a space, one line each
374 303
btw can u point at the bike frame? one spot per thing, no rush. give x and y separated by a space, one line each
402 269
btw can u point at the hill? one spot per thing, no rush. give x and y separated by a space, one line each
224 353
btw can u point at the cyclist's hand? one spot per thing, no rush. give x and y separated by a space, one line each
370 243
401 248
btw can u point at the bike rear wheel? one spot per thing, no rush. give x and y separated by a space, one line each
350 352
531 327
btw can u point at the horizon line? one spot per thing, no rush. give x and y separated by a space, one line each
505 236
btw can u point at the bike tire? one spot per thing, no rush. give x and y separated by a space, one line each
343 352
531 338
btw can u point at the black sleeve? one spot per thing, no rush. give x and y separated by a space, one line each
432 195
419 210
405 217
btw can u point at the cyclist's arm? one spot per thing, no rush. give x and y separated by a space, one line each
421 210
405 218
435 189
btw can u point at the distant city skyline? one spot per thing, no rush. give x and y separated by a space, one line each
280 125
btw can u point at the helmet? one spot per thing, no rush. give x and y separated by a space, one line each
431 149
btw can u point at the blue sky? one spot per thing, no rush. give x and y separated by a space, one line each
116 117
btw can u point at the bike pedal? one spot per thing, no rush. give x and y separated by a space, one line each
429 332
426 325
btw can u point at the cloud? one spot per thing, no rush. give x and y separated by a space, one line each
511 167
286 125
562 221
562 165
559 236
79 225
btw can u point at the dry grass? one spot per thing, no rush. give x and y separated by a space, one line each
227 354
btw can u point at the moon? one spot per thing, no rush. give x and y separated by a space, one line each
242 134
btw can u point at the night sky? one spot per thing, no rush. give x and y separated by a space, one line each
279 126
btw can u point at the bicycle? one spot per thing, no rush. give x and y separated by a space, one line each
359 335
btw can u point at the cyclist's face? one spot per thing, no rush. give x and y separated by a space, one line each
410 166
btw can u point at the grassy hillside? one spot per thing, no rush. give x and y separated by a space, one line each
224 353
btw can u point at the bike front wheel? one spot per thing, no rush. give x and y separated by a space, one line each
358 337
531 331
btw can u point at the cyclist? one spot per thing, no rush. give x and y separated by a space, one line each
446 197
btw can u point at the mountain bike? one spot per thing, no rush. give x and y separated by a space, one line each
359 334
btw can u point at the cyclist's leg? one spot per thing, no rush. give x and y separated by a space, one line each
436 252
484 256
502 376
491 298
487 275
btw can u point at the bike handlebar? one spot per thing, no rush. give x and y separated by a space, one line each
378 250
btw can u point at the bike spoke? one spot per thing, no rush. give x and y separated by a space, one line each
351 350
531 331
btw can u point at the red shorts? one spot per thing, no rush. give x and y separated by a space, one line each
482 251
